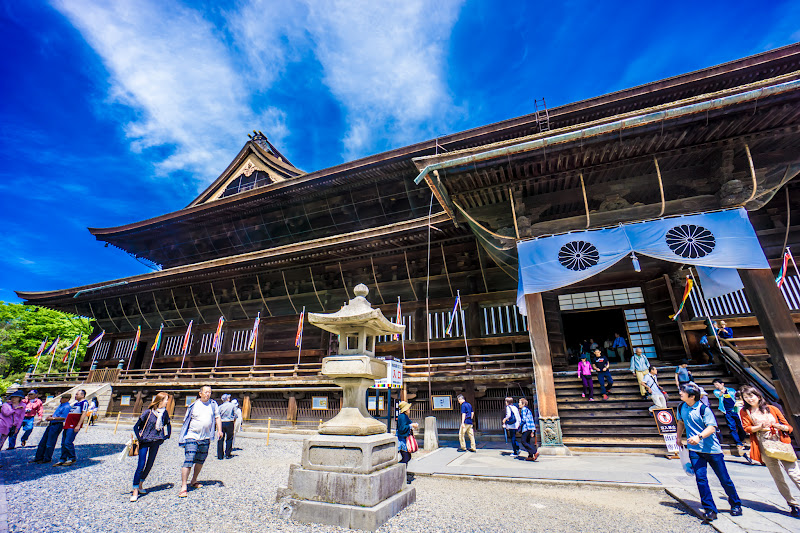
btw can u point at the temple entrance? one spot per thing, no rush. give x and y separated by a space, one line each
586 326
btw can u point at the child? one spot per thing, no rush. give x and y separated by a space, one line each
585 373
11 415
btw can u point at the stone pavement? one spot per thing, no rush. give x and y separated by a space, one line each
764 508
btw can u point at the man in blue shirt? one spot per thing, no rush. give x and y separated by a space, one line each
619 345
466 425
73 424
44 453
704 449
682 374
728 407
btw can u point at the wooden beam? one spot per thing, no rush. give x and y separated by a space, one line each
779 330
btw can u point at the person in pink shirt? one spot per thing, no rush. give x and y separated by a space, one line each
585 373
33 407
11 414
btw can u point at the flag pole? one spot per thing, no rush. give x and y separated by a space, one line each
463 325
72 366
255 340
702 298
39 356
300 347
52 356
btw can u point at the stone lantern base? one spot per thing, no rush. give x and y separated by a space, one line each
347 481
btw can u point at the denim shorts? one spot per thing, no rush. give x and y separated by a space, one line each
195 451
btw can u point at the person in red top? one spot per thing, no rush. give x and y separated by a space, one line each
33 407
766 422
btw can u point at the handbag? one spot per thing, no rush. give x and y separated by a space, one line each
411 443
133 449
783 451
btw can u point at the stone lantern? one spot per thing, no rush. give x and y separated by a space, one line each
349 475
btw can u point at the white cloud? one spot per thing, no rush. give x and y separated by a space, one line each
385 62
174 67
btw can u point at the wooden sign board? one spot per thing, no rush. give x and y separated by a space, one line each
442 403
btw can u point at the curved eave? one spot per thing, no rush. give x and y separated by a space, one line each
241 259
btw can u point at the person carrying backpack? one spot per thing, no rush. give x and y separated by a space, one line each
511 424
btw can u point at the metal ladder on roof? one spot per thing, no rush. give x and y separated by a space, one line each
542 116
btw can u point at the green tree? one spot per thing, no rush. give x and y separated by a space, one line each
24 327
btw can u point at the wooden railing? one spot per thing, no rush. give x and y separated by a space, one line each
414 368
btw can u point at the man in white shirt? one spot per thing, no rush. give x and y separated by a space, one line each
511 424
198 427
650 382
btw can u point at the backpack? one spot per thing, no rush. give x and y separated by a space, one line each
703 408
512 419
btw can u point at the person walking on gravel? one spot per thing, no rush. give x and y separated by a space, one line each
198 427
704 449
151 429
766 423
528 430
466 425
11 414
511 423
404 429
44 453
33 407
72 425
227 413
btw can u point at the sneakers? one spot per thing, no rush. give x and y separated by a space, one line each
141 489
747 458
462 449
583 395
473 450
795 512
711 515
736 511
591 399
36 461
65 463
605 396
60 463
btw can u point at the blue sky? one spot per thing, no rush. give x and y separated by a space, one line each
112 112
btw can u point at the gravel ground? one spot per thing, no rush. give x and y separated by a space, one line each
239 495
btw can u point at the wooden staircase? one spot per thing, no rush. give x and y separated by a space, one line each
623 423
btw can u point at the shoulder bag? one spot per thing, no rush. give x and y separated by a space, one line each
783 451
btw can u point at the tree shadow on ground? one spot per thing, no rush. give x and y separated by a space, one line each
17 469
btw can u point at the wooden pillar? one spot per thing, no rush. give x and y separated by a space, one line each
246 407
291 410
549 421
139 403
779 330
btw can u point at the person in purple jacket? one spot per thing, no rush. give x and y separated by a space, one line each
11 414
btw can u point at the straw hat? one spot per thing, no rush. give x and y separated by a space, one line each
404 406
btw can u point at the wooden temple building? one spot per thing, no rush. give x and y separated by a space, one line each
426 222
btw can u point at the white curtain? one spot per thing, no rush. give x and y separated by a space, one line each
723 239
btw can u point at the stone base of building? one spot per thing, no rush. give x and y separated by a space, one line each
554 450
347 481
350 516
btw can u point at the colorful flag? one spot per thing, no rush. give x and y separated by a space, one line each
398 320
217 344
136 339
52 348
96 339
41 347
157 341
70 348
456 307
686 291
298 339
784 269
187 337
254 334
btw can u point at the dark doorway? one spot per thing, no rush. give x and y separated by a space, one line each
598 325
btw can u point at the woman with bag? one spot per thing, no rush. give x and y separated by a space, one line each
406 443
152 428
770 443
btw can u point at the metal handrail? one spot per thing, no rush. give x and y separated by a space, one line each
738 364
